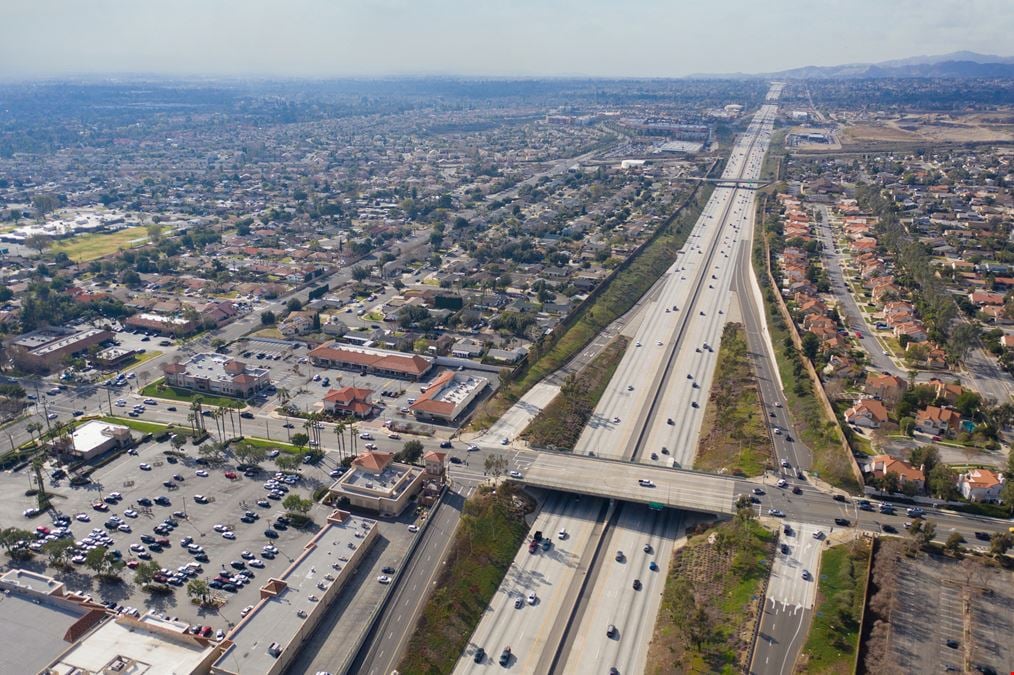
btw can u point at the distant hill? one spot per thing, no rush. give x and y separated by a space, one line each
962 64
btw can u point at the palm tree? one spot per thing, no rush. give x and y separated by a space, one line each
191 421
198 418
339 431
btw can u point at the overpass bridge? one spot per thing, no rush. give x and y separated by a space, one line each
618 479
743 183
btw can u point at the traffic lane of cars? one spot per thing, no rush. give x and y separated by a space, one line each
840 511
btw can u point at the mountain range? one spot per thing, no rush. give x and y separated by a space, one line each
962 64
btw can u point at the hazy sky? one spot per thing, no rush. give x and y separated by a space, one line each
479 37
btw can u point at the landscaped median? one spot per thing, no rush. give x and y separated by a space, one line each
617 297
486 541
159 389
734 438
560 423
713 597
841 593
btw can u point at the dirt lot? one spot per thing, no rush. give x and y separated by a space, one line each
932 612
935 127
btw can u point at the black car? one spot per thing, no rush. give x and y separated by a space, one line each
147 539
246 519
480 655
637 584
843 522
164 501
796 490
171 408
982 536
457 460
246 415
270 534
445 444
785 549
890 529
178 477
202 557
232 588
238 565
388 570
839 498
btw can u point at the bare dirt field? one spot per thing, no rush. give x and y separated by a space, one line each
933 128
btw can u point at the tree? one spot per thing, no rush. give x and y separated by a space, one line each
411 451
925 456
942 482
212 452
294 305
198 588
58 550
300 440
811 345
250 454
923 531
964 337
954 542
268 318
495 465
296 504
102 562
145 572
154 232
13 539
907 425
999 543
360 273
287 461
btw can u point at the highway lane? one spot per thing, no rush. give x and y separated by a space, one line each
526 628
620 605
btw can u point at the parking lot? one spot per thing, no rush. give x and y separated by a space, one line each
216 526
305 385
928 624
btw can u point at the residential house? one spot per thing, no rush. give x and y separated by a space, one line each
881 465
980 485
937 421
867 412
886 387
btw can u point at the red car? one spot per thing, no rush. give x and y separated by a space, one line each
42 529
231 475
132 564
859 335
206 631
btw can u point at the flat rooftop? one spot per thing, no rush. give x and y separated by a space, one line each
212 367
94 433
141 651
32 629
388 483
276 619
40 337
68 341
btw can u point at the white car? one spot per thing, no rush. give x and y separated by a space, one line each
515 474
366 436
202 473
782 483
228 534
532 598
83 517
413 528
504 440
130 513
246 610
384 579
219 527
144 466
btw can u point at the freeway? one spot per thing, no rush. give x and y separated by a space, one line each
666 430
688 307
